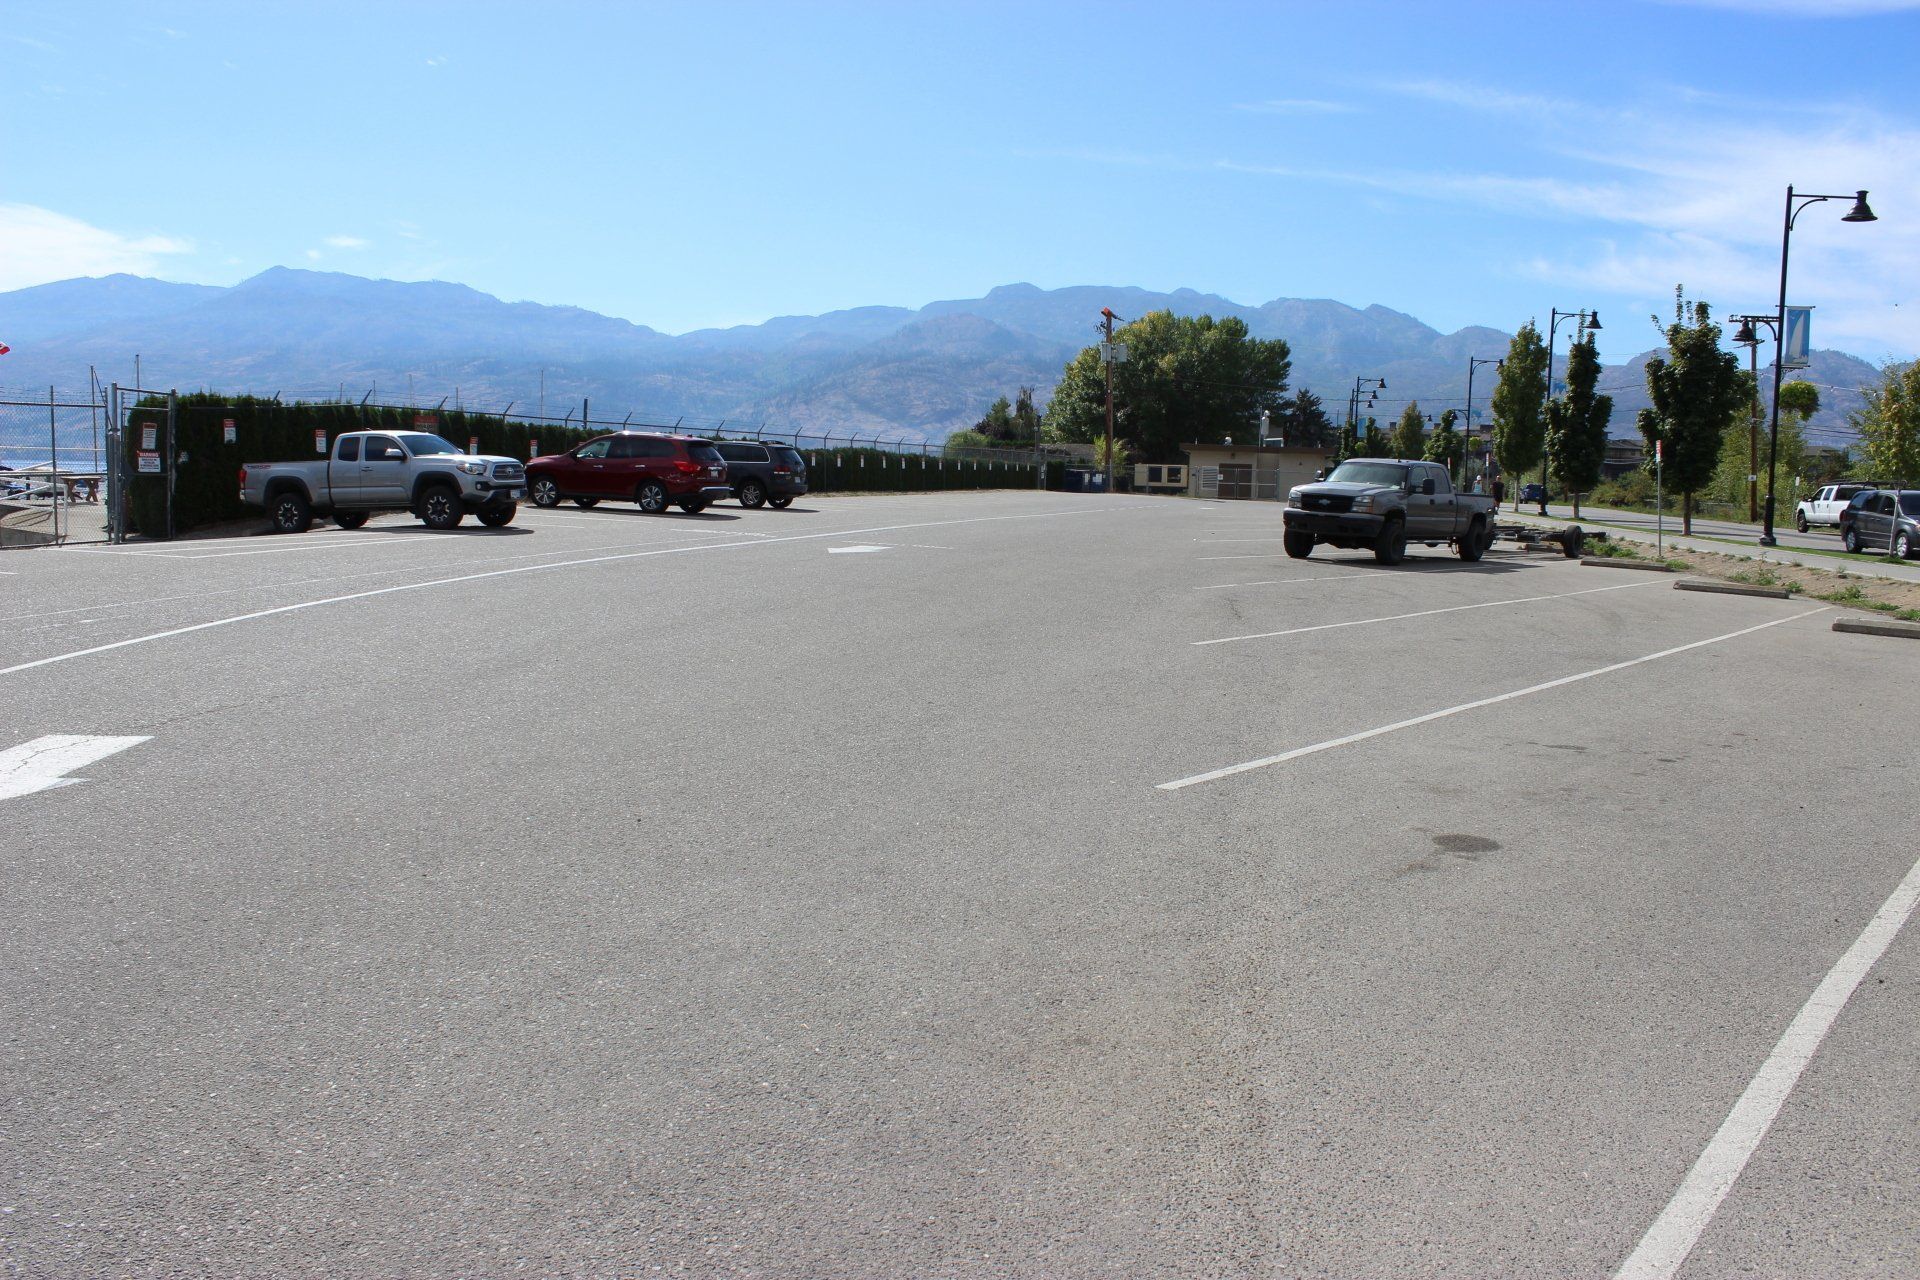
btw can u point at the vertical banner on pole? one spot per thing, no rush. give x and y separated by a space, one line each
1796 350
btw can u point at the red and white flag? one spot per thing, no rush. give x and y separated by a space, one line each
4 348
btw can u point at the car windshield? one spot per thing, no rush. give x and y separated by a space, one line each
420 445
1383 473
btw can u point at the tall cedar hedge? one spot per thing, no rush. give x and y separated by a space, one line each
206 487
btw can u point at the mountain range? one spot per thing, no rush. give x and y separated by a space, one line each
891 371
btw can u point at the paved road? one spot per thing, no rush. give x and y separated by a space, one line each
1064 886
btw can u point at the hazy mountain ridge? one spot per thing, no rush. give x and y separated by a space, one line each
865 370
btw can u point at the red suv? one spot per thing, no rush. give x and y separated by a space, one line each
632 466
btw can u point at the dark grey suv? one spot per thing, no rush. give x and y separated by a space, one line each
775 474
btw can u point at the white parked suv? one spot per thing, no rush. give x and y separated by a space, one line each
1825 506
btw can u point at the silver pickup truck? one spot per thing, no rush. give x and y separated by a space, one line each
372 471
1384 504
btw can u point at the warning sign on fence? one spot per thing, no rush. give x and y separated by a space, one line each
149 464
320 440
149 437
229 431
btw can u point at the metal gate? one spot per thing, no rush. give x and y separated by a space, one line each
142 426
55 471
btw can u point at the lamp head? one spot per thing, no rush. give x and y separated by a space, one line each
1746 337
1860 212
1592 321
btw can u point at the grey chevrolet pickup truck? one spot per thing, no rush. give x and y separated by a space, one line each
1384 504
371 471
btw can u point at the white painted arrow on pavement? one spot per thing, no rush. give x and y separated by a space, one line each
43 764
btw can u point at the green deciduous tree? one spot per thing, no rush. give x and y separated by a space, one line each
1026 418
1697 389
1889 425
1519 430
1410 433
1577 424
1185 378
1447 445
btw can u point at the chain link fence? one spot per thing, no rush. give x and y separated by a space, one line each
54 454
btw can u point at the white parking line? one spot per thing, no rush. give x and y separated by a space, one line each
1275 556
1678 1228
538 568
1424 613
1228 771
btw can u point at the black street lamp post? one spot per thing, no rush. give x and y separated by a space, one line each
1588 321
1796 201
1353 403
1473 362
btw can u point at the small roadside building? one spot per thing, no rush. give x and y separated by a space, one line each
1251 471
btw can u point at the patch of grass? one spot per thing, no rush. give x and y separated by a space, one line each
1908 615
1849 594
1610 550
1678 566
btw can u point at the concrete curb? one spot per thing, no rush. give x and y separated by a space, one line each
1731 588
1608 562
1874 627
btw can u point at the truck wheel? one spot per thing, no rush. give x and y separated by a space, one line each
1298 545
1800 521
498 517
651 497
586 504
780 504
1391 546
350 519
751 493
1474 544
544 491
292 513
440 508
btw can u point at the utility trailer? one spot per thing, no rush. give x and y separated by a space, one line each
1530 537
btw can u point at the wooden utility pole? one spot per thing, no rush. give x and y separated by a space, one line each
1106 327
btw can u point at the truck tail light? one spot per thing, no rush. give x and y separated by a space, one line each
782 471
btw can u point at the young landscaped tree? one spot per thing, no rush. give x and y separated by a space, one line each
1697 389
1446 445
1185 378
1026 418
1519 431
1889 425
1577 425
1410 433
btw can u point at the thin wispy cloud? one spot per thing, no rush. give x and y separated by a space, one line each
28 41
39 245
345 242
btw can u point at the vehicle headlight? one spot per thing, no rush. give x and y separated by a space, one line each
474 468
1293 497
1363 505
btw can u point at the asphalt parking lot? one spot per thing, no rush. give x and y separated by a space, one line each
960 885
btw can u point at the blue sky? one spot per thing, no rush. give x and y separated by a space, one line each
688 165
